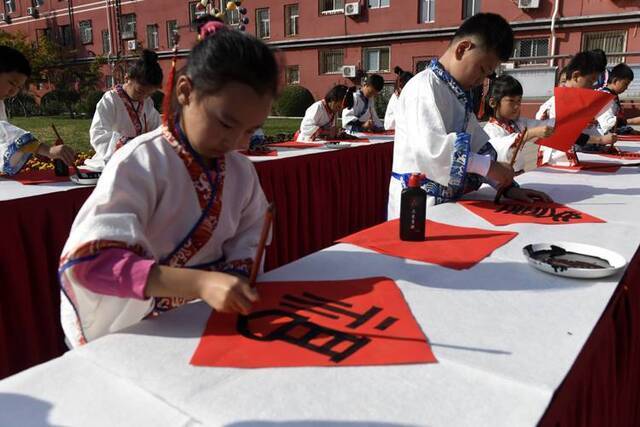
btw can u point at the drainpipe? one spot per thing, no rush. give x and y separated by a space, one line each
556 7
110 52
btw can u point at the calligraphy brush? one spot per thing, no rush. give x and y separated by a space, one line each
266 226
57 134
519 144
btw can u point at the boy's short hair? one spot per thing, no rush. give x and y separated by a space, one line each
14 61
600 59
374 80
584 63
493 30
620 72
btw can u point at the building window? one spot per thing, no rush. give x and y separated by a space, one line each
172 30
609 41
263 23
106 42
470 8
531 48
153 37
293 75
108 81
43 33
66 36
9 6
291 15
331 61
128 26
232 17
373 4
376 59
194 14
331 6
86 32
427 11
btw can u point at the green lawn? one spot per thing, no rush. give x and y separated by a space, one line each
75 132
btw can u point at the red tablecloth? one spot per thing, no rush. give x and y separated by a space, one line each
319 198
603 385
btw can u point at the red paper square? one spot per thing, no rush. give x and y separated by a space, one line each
295 144
575 109
630 138
589 166
623 155
331 323
270 153
34 177
450 246
532 213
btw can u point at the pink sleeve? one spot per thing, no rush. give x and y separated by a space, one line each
116 272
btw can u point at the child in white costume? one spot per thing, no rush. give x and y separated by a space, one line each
321 118
401 81
362 117
508 130
437 133
17 145
177 212
126 111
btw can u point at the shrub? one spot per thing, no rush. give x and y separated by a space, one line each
293 101
87 105
22 105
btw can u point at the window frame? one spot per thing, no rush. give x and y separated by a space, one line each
171 31
611 56
367 49
128 35
335 8
476 6
322 53
431 11
106 33
530 61
379 5
260 21
288 20
288 71
156 36
82 31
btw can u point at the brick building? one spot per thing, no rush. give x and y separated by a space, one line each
319 37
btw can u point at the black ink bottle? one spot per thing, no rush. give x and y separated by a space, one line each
413 210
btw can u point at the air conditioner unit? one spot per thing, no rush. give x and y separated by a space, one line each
132 44
508 66
348 71
528 4
352 9
32 11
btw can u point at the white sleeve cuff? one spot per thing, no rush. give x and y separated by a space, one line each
478 164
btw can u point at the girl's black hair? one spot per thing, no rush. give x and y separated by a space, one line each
402 79
374 80
232 56
146 69
563 70
14 61
501 87
341 93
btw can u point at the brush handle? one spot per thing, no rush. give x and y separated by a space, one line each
266 226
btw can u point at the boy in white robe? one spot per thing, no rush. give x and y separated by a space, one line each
390 113
177 213
362 117
437 133
321 118
126 111
612 119
17 145
511 135
582 72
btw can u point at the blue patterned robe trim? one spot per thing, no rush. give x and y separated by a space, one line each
13 148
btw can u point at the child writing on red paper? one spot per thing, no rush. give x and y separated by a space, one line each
582 72
17 145
613 120
177 213
321 118
508 130
126 111
437 133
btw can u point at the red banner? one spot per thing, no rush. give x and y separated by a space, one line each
533 213
331 323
